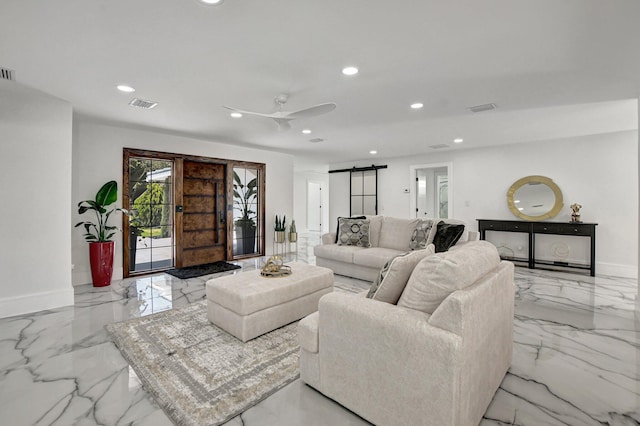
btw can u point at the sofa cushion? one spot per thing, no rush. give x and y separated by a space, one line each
374 257
375 224
353 232
421 233
393 277
439 275
396 233
447 234
336 252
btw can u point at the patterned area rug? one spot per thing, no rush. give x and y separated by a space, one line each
200 270
199 374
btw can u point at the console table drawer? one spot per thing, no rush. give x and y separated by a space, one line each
506 226
562 229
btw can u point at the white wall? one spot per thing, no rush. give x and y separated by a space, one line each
35 171
301 179
598 171
97 158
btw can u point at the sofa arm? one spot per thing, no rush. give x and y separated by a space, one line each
387 363
329 238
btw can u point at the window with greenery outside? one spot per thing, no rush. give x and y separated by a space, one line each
245 205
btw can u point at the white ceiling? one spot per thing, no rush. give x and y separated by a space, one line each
555 68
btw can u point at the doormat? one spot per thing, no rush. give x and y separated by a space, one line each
199 270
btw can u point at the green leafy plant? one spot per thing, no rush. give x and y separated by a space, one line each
281 224
244 195
100 231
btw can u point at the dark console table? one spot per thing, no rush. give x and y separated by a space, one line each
533 228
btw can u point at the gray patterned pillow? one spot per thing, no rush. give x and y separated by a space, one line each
421 234
353 232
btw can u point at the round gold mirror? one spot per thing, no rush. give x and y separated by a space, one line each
534 198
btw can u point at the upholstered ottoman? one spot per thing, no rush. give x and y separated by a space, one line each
248 305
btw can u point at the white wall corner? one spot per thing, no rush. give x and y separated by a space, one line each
34 302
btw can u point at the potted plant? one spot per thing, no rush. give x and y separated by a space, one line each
293 234
244 195
99 233
280 228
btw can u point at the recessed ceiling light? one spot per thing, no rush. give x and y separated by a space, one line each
236 115
306 131
349 70
124 88
458 140
373 152
211 2
417 105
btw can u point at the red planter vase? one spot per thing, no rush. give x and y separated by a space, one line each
101 258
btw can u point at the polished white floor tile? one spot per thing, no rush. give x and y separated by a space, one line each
576 357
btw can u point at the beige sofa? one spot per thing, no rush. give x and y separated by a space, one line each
394 365
388 236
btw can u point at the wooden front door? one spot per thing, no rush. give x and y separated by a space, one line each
201 226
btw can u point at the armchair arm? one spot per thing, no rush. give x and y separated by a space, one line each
329 238
387 363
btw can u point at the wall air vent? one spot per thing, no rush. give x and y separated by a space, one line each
439 146
6 74
141 103
480 108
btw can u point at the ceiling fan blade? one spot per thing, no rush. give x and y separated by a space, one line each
283 124
312 111
259 114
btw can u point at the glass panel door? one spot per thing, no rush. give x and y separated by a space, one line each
247 211
151 238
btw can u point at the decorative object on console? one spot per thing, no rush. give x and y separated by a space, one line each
353 232
447 235
280 229
575 213
99 234
534 198
420 236
275 267
390 283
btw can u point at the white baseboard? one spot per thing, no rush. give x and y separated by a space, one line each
34 302
617 270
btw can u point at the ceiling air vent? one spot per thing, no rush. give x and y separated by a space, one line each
485 107
6 74
141 103
316 140
439 146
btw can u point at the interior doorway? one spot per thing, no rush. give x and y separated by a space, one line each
432 191
314 206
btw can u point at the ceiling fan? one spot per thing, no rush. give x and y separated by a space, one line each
284 117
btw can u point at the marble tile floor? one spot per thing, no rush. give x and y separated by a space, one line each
576 358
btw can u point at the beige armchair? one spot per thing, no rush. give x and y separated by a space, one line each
398 366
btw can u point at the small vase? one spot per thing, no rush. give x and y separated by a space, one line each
279 236
101 259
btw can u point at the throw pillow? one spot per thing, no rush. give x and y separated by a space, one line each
421 234
393 277
338 226
447 234
439 275
353 232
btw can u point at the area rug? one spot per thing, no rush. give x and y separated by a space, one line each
199 270
199 374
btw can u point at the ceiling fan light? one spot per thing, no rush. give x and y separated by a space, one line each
235 115
306 131
350 70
